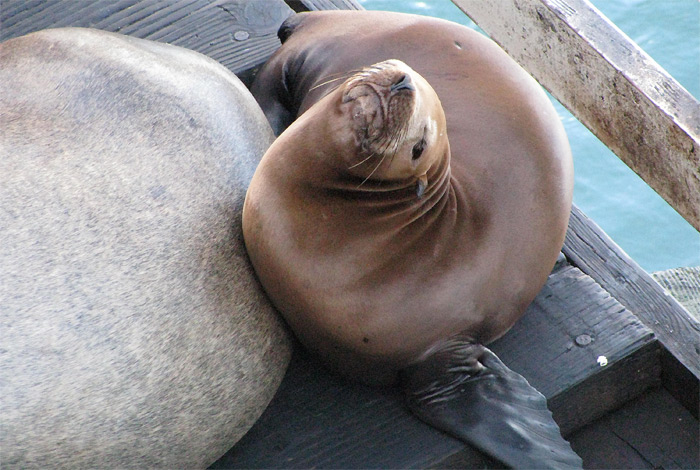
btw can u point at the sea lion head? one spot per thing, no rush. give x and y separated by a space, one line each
396 124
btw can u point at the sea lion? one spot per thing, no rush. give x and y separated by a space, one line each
396 253
134 331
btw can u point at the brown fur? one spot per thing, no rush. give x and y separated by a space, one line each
371 276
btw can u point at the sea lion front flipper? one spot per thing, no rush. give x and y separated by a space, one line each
463 389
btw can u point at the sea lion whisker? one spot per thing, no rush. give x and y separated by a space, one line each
360 163
384 151
395 143
339 76
375 169
325 83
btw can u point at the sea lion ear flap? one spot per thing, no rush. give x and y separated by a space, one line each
288 26
463 389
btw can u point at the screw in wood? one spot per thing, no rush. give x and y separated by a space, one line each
583 340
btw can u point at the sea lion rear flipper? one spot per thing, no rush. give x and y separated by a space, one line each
466 391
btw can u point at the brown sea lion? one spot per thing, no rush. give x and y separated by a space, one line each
394 253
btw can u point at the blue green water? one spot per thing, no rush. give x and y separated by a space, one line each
639 220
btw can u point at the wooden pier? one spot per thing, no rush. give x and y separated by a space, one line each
617 358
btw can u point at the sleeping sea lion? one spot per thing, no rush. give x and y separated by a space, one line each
410 213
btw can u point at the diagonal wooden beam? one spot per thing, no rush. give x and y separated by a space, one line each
611 85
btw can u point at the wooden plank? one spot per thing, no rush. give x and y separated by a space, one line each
591 250
565 335
240 34
315 5
585 322
653 431
320 420
613 87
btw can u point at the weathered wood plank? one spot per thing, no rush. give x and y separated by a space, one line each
564 335
319 420
613 87
590 249
653 431
313 420
240 34
315 5
583 320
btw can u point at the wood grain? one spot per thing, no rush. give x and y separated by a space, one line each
238 33
653 431
314 5
590 249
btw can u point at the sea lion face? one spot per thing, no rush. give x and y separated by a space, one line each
397 122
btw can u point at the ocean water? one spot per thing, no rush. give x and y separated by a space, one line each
637 218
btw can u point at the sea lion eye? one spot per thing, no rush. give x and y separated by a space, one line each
418 149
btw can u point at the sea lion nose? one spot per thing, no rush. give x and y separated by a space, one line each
403 83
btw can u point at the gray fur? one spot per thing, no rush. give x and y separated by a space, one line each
133 332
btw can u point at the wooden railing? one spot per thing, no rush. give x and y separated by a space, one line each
611 85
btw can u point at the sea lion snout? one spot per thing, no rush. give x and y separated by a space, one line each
394 114
387 78
382 101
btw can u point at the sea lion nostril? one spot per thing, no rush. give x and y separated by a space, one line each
404 83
